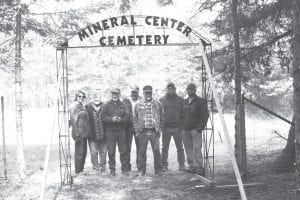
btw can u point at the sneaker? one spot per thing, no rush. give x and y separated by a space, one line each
164 169
113 173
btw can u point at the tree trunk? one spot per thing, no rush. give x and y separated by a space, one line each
240 138
18 99
286 160
296 77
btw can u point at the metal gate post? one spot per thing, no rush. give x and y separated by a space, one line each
63 117
208 132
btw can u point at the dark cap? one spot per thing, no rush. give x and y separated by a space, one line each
171 85
147 88
191 86
135 88
115 90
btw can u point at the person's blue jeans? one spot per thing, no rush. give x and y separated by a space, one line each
167 133
143 138
192 141
98 148
113 138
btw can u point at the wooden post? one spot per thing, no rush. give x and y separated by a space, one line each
241 151
296 79
3 138
222 119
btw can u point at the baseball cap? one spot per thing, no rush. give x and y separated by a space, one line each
115 90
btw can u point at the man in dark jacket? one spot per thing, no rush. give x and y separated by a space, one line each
97 143
80 130
115 116
195 116
173 110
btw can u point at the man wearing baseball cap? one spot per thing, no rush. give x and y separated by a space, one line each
195 116
148 122
115 115
130 132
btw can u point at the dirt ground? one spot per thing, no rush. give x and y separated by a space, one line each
174 184
262 149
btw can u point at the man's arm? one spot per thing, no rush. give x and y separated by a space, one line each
204 114
161 115
126 117
135 118
105 115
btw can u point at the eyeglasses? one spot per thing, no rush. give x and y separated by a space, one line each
148 92
82 97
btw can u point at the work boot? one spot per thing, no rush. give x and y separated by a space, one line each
102 171
164 168
200 171
113 173
140 174
125 173
182 167
159 173
190 170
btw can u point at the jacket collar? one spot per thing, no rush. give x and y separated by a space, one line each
194 98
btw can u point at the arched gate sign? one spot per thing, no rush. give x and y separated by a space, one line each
134 31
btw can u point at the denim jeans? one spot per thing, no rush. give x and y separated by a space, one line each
129 137
167 133
192 141
113 138
143 139
98 148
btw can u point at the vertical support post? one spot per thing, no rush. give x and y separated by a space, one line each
18 96
3 138
222 119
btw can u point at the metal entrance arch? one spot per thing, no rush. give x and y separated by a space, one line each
63 98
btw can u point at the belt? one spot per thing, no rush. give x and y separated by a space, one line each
149 131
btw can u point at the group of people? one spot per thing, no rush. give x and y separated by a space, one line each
103 126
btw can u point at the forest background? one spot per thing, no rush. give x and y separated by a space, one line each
265 56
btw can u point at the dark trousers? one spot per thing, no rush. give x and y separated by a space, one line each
167 133
129 137
98 149
143 139
80 154
113 138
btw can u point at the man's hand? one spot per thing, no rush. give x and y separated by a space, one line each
158 133
194 131
137 134
114 119
119 119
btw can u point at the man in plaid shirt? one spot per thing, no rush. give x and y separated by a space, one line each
148 121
